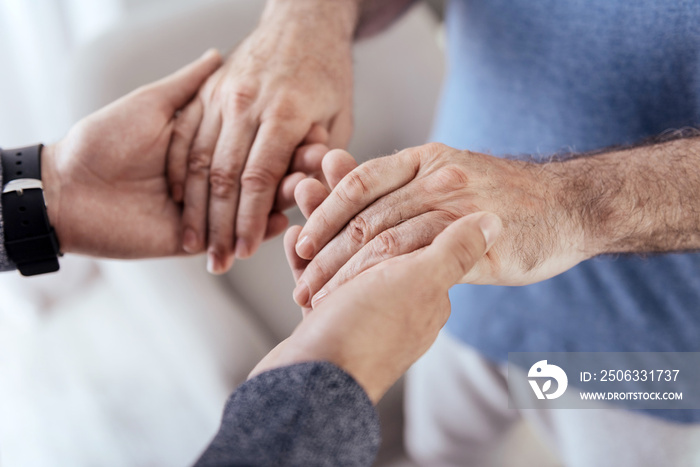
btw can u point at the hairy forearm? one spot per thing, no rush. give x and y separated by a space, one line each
642 199
349 18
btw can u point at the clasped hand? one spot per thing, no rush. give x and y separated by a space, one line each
108 195
286 85
395 205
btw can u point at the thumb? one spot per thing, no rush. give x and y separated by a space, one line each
180 87
459 247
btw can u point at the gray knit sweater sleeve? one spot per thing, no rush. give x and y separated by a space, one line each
5 263
309 414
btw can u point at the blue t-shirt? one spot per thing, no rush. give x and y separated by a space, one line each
540 77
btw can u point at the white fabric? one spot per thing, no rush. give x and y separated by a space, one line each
457 414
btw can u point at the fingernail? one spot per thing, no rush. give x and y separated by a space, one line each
305 248
177 193
491 227
242 249
214 265
319 297
301 294
189 241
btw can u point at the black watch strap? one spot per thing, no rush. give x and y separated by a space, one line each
30 241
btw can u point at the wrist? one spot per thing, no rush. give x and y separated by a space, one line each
52 192
585 199
339 17
565 192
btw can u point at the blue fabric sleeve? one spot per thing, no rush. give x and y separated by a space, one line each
5 263
309 414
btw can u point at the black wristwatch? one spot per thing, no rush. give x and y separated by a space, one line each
30 241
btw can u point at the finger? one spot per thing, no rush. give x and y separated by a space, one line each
296 264
184 132
399 206
457 249
392 262
336 165
194 215
317 135
269 160
398 241
308 159
276 224
224 184
180 87
285 193
356 191
309 195
306 162
341 130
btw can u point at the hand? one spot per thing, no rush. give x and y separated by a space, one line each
105 184
379 323
397 204
288 83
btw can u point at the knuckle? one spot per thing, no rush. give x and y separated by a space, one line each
431 154
356 189
453 176
258 179
284 109
435 148
387 244
358 231
223 181
198 161
447 179
241 97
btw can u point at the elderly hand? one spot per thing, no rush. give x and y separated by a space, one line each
397 204
379 323
289 83
105 184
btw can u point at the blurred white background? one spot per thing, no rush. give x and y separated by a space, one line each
38 38
128 364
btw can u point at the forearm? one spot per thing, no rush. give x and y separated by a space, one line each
642 199
350 18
